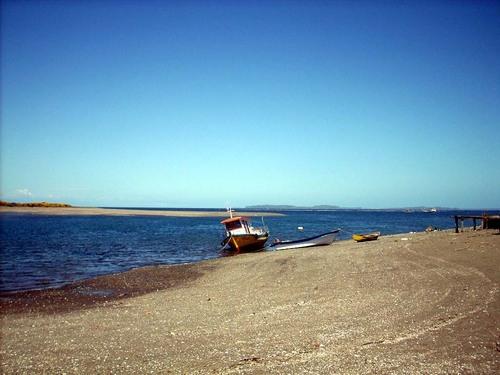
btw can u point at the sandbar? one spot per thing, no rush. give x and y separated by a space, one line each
95 211
412 303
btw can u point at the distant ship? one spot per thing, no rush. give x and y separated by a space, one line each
430 210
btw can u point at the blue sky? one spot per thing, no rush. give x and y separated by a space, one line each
204 104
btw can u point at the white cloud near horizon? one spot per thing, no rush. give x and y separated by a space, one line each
24 193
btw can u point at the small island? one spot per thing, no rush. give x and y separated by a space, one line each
33 204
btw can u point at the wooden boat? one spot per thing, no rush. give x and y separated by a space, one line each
320 240
365 237
241 236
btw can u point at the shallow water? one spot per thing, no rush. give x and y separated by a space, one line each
48 251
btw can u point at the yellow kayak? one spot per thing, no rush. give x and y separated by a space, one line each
365 237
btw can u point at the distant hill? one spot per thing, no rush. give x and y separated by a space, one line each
287 207
33 204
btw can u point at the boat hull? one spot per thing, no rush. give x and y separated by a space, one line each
244 243
321 240
365 237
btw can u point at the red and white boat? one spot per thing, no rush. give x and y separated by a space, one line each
241 236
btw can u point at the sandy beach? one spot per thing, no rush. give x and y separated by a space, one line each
413 303
93 211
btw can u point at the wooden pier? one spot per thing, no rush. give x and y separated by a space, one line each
488 221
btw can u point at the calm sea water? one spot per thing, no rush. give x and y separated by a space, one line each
49 251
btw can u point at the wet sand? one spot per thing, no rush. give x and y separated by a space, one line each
414 303
93 211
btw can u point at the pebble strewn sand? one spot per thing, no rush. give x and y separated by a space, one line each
416 303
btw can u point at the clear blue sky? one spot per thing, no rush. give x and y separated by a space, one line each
205 103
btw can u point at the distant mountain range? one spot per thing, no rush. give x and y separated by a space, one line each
287 207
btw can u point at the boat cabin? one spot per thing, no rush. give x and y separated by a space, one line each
237 225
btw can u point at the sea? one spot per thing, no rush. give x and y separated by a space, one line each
39 252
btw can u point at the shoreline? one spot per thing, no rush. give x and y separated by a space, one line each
90 281
430 303
98 281
96 211
91 292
